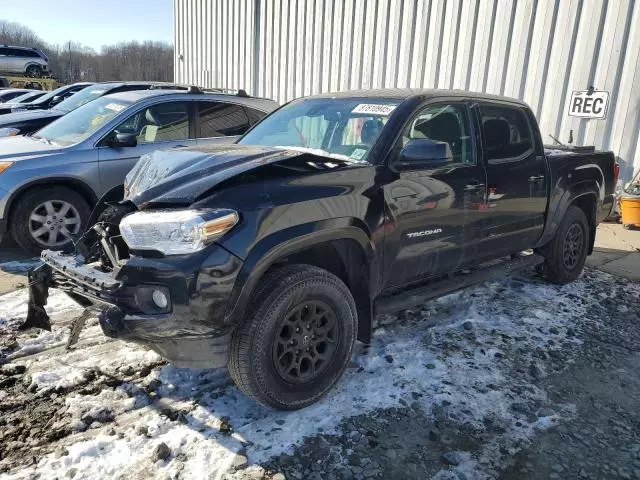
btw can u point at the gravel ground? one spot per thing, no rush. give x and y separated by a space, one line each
512 379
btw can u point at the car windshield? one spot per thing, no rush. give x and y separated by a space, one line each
345 128
26 97
78 125
83 96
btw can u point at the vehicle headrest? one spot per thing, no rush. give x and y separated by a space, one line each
496 132
370 131
151 117
443 128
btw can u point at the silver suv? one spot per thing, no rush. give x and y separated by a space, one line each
23 61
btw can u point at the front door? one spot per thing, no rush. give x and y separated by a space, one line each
434 210
516 177
159 126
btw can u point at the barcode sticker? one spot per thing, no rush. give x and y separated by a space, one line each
374 109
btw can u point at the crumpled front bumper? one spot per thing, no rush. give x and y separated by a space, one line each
190 332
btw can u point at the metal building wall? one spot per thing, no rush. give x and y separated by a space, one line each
536 50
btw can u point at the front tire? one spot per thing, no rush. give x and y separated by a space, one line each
567 252
49 218
297 337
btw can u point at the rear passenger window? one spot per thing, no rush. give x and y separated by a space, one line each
219 119
505 132
254 115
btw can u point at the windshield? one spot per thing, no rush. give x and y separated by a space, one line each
83 96
339 127
80 124
26 97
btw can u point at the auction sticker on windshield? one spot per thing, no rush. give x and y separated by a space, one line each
116 107
374 109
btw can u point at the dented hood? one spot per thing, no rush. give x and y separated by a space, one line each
182 176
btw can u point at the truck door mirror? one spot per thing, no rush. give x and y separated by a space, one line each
421 153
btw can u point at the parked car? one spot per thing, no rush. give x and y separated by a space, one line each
272 256
27 97
23 61
11 93
24 123
47 100
54 177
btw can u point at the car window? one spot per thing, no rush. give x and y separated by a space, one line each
27 97
163 122
219 119
448 123
254 115
346 128
83 96
505 132
4 51
81 123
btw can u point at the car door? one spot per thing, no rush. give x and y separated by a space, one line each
435 210
220 122
4 59
16 60
516 178
162 125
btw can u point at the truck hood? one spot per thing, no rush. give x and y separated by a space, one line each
16 117
21 148
182 176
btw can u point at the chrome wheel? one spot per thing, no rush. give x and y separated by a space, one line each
306 342
573 246
54 223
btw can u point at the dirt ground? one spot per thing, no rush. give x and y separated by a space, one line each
510 380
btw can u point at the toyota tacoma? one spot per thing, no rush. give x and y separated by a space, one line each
273 255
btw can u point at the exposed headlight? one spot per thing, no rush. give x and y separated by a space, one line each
176 232
9 132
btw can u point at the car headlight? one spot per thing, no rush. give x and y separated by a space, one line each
176 232
9 132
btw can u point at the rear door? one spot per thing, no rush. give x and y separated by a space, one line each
158 126
220 122
434 210
516 177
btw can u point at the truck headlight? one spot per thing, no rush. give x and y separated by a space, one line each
176 232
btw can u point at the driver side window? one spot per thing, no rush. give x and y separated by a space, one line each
158 123
447 123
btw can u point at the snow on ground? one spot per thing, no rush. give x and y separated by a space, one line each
452 351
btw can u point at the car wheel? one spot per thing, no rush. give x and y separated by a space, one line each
296 339
567 252
50 218
34 71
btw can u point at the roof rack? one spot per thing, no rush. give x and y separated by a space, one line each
195 89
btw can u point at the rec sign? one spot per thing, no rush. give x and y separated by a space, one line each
587 105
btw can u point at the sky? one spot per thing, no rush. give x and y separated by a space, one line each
93 23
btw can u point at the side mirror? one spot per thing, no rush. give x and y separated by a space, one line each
422 153
121 140
56 99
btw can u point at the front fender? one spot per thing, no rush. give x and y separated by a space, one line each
288 241
563 198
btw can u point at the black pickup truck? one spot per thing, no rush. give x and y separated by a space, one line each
272 256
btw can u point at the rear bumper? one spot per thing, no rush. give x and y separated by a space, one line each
190 331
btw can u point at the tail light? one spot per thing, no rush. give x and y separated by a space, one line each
616 172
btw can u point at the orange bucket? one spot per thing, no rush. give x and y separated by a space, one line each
630 209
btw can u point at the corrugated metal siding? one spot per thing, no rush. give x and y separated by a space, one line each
536 50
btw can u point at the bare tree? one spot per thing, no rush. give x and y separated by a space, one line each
74 62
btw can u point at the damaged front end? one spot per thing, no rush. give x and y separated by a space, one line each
86 276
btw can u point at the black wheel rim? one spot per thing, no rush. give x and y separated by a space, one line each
305 342
573 246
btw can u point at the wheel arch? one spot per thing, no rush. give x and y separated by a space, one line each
74 184
346 250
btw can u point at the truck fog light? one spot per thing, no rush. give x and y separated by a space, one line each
160 299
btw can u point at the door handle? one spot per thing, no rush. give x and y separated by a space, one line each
536 178
474 186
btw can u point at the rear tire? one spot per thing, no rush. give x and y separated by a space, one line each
566 254
58 210
296 339
34 71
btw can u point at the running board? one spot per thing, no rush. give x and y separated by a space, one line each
437 288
